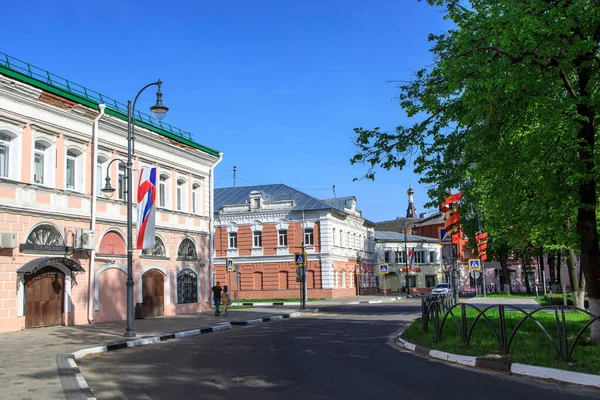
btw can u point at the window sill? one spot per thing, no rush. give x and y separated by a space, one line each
149 257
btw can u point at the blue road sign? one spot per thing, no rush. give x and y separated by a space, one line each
230 265
300 259
474 264
383 269
442 239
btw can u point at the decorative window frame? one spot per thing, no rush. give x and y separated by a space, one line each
49 159
164 242
117 231
167 282
197 187
102 160
198 286
197 259
185 192
168 189
80 166
14 149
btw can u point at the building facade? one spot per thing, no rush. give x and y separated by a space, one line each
261 228
396 250
62 242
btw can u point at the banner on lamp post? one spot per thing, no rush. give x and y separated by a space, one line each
146 207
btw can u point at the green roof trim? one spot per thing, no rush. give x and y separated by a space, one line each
54 84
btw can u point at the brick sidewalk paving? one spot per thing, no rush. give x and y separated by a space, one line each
27 363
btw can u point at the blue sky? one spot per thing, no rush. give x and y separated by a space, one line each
276 85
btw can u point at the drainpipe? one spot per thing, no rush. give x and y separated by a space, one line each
211 206
92 280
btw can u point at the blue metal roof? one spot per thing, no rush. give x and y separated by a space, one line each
399 237
340 203
276 192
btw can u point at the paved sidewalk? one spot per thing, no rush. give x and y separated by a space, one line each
28 367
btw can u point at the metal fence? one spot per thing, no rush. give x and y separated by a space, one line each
439 309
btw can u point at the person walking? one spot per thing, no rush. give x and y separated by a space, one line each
225 299
217 290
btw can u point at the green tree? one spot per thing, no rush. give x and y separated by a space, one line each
508 113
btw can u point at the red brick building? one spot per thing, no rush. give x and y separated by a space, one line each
261 227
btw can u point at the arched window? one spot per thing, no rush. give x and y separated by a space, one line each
187 287
181 195
187 250
5 154
164 192
74 170
343 278
46 234
100 174
158 250
113 243
196 199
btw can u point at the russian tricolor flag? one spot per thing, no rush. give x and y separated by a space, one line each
146 197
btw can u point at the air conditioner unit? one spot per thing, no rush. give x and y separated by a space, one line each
8 240
85 239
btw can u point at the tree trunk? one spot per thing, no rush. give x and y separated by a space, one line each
551 270
576 288
587 227
503 253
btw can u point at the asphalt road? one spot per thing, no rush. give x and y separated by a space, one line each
344 353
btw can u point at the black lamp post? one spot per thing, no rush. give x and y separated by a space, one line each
413 231
159 112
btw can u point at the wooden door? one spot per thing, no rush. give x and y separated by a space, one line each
153 293
44 295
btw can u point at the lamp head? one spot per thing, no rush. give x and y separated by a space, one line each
159 111
108 189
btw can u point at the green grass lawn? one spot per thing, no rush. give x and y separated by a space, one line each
557 299
288 300
530 345
512 295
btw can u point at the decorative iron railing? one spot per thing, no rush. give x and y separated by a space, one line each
439 310
56 81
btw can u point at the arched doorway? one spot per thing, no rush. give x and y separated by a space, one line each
153 293
44 294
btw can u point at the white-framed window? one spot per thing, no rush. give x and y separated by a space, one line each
348 240
282 237
233 240
400 257
343 278
334 238
5 155
163 190
121 182
419 257
39 163
74 170
196 195
387 257
354 240
341 238
257 239
432 257
335 278
100 174
309 238
181 195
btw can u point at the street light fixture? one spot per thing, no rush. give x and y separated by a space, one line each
159 111
413 231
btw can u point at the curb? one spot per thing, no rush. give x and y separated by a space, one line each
578 378
75 386
261 304
376 301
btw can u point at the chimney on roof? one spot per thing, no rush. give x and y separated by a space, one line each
410 211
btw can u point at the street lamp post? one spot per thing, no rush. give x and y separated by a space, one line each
159 111
406 257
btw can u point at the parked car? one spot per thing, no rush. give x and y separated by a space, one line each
441 288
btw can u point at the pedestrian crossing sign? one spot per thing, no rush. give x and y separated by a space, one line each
474 264
230 267
300 259
383 269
